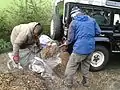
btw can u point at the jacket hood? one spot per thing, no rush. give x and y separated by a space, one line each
81 17
32 25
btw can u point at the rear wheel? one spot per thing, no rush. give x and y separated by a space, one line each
99 58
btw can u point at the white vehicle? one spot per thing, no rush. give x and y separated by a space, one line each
109 21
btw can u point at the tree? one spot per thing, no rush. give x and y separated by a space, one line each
23 11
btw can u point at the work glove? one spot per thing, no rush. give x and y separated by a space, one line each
64 46
16 58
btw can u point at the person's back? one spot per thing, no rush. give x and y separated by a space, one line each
84 34
24 30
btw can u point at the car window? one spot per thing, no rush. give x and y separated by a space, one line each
116 19
101 16
116 22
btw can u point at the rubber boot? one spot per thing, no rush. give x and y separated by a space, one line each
85 82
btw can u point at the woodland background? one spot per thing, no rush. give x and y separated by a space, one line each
22 11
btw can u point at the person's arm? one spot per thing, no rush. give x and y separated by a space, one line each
20 39
71 33
97 29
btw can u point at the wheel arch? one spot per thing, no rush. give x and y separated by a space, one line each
107 45
104 41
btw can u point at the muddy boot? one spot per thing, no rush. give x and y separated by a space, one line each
85 82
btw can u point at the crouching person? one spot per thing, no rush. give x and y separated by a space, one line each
23 36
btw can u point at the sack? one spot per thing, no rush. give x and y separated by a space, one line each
36 64
39 66
44 40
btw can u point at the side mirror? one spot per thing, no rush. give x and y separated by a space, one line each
67 21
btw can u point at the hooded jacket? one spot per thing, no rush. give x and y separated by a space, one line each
82 31
22 35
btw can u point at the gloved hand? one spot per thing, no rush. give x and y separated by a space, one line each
64 44
16 58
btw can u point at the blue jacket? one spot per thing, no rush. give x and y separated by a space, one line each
82 31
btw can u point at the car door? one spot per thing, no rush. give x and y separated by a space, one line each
116 34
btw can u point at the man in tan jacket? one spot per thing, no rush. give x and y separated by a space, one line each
23 36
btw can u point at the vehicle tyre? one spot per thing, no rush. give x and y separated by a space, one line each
56 30
99 58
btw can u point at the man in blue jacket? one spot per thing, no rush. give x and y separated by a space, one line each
82 31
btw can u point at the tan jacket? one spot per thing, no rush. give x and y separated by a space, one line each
22 35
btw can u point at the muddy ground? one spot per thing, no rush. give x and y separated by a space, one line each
107 79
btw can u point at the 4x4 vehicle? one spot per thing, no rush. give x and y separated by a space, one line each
107 15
